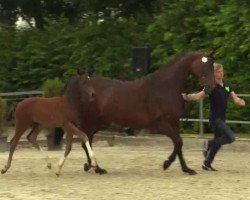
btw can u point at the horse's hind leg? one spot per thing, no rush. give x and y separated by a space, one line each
32 138
87 166
13 144
68 147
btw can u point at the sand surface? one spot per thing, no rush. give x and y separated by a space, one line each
134 172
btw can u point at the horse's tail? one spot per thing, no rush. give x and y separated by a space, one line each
10 113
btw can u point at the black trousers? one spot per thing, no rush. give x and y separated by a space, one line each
222 135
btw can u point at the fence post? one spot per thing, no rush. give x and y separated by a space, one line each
201 117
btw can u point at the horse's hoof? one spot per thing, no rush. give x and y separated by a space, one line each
166 164
3 171
49 166
100 171
86 167
57 174
190 171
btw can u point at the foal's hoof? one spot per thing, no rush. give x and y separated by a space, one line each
3 171
49 166
57 174
166 164
100 171
86 167
190 171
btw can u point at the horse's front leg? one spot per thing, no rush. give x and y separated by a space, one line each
177 140
71 128
87 166
172 132
68 147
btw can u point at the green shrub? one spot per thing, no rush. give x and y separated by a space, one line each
52 87
3 104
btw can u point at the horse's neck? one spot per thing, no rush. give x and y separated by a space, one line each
173 77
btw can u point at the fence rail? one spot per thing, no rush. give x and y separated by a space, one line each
201 120
8 94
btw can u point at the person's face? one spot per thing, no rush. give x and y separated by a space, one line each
219 74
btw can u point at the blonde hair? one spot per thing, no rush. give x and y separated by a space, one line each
218 66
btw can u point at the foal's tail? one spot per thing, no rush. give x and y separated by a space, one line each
10 113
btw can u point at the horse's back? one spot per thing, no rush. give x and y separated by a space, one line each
137 104
123 102
49 112
25 106
39 103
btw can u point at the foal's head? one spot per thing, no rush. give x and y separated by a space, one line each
202 67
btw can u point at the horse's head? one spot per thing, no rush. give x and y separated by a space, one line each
79 78
202 67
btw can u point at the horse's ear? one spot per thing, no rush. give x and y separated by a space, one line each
211 54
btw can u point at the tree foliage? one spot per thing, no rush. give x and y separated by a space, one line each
99 35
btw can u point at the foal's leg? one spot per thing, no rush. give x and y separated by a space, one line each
68 147
71 128
87 166
13 143
32 138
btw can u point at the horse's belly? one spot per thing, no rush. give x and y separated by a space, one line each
131 120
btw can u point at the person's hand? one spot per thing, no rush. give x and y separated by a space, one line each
207 89
242 102
185 96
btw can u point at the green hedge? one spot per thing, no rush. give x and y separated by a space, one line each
52 87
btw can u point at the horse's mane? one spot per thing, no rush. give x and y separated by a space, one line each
72 90
73 82
175 62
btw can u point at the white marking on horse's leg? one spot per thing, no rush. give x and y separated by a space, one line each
60 165
46 157
91 153
68 148
61 162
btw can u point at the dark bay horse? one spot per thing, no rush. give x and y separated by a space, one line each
38 113
153 102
